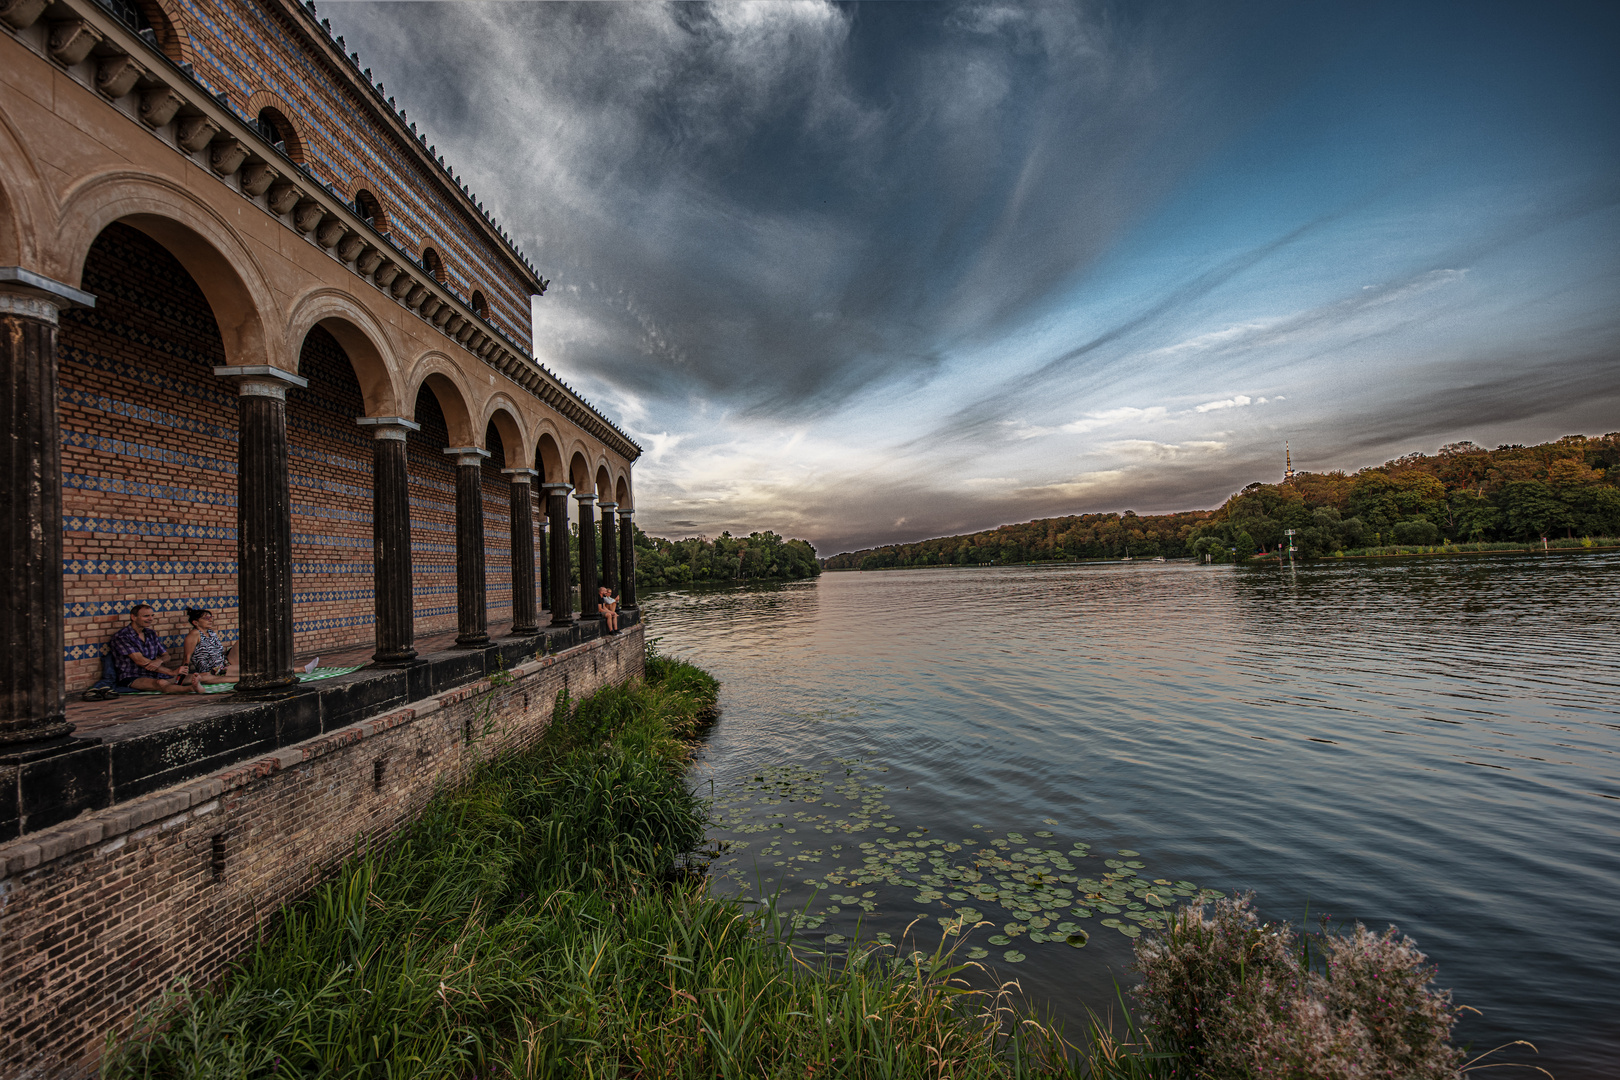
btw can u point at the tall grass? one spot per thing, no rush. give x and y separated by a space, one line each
532 924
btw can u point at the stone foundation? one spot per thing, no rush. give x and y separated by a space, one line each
99 915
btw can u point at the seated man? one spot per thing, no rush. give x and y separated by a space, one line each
138 657
609 608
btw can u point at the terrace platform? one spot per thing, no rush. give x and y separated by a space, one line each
130 745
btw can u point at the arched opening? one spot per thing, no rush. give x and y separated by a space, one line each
480 306
548 460
621 494
370 209
149 449
432 478
579 473
329 473
604 484
148 19
433 265
497 526
277 130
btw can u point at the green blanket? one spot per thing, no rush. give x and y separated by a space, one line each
225 687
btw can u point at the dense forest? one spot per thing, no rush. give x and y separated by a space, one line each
726 558
1464 493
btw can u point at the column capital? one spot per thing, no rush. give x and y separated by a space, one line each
608 506
521 476
626 511
261 380
564 488
467 455
585 496
35 296
388 427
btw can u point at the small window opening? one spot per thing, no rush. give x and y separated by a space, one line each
378 768
369 209
216 860
433 264
480 305
272 130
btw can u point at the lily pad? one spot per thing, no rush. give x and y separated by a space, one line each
999 939
977 953
1077 939
1013 956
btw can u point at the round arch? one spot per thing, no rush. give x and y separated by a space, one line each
200 240
604 483
579 473
437 373
621 493
263 107
24 199
500 412
169 25
548 459
363 338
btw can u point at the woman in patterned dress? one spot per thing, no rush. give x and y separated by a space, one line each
205 651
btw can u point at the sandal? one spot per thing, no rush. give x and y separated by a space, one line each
97 693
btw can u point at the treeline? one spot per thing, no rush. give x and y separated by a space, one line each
1086 536
759 555
1463 493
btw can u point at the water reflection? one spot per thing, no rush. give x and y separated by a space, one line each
1430 743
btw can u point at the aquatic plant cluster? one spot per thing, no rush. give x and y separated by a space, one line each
1033 889
1241 1000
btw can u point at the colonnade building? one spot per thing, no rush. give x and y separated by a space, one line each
264 354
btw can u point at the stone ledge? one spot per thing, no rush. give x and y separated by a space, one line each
97 827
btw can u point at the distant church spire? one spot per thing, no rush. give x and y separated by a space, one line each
1288 463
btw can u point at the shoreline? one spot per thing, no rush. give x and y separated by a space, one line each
1252 561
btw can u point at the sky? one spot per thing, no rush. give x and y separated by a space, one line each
864 274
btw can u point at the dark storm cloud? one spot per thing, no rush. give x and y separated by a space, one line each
758 204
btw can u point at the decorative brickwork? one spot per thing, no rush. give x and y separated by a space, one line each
102 914
433 518
250 52
330 476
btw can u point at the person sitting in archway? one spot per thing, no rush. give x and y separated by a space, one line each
609 607
205 652
138 658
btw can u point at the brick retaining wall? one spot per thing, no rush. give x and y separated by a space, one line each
99 915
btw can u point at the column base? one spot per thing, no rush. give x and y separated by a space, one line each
266 684
562 620
472 641
524 631
20 740
398 658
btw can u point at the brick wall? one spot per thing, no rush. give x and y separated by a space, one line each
101 915
148 452
497 529
433 518
329 471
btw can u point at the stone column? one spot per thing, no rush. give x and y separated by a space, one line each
263 527
587 554
472 615
627 559
523 617
545 561
33 682
391 540
610 548
562 604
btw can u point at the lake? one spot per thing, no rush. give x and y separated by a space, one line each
1425 742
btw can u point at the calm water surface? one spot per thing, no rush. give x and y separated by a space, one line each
1431 744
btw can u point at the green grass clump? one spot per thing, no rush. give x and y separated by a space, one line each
532 924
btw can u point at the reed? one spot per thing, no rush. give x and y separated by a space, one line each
535 924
